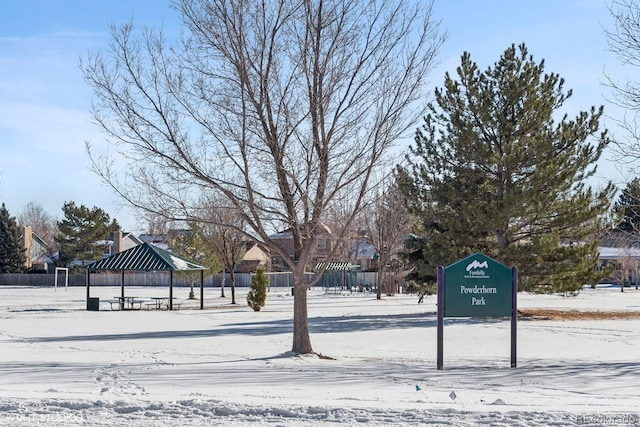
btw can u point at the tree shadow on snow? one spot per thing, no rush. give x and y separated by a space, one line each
317 325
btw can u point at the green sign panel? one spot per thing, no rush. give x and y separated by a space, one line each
477 286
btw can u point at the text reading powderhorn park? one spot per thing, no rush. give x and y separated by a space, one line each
477 290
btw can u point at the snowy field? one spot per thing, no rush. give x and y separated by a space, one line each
230 366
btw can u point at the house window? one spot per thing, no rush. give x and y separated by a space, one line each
277 264
321 244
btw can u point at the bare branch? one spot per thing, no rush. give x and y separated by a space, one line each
278 109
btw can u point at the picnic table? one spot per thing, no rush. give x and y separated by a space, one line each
333 289
126 303
160 303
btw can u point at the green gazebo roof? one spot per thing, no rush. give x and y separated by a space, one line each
145 257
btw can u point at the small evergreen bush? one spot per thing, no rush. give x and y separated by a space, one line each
257 294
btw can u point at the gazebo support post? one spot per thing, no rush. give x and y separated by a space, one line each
201 289
122 289
88 286
170 289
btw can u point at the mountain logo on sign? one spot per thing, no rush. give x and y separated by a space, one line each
475 265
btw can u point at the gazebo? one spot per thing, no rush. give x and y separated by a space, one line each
146 257
338 272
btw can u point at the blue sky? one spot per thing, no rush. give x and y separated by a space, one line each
44 101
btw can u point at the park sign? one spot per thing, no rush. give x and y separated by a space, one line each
477 286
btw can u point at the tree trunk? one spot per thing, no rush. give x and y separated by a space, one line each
380 280
232 274
224 275
301 338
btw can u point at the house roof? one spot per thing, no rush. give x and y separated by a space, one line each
618 253
362 249
145 257
286 234
133 238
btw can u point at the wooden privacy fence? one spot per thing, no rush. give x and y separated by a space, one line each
159 278
115 279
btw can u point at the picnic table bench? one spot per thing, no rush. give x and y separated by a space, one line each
126 303
136 303
333 290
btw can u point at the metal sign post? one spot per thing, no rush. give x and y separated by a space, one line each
477 286
440 338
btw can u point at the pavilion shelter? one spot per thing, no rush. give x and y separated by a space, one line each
342 274
146 257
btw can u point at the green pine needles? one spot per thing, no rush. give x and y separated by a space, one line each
498 169
12 252
257 294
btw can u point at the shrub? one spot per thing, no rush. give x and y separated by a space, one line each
257 294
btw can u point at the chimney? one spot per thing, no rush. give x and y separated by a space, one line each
28 242
116 236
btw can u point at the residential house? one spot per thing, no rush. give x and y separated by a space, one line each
255 256
363 254
284 239
37 252
120 241
621 248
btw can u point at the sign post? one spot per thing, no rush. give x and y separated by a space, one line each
477 286
514 316
440 338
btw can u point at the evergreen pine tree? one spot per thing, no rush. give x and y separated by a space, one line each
12 252
422 277
84 233
628 206
492 171
257 294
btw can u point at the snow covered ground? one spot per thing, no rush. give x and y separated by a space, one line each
227 365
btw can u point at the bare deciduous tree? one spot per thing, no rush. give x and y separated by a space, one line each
155 224
627 267
385 222
194 244
624 41
278 108
43 224
224 230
